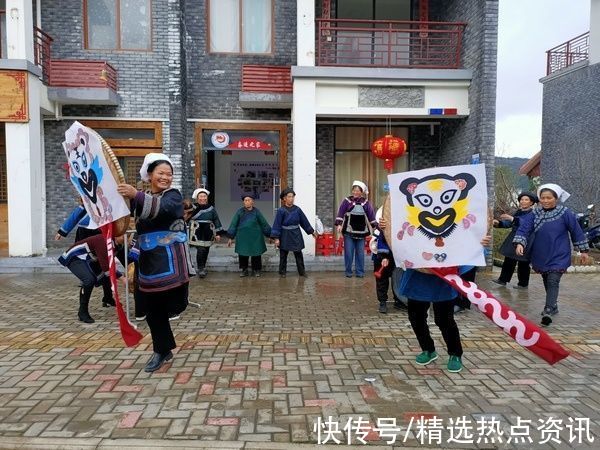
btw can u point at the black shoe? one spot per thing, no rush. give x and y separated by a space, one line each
550 311
518 286
244 273
383 308
106 302
256 273
202 273
546 320
302 274
85 317
499 283
156 361
282 275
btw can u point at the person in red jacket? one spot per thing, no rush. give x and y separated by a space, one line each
87 259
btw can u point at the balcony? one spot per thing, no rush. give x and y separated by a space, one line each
568 53
69 81
390 44
267 87
82 82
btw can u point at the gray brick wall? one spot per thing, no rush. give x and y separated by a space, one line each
326 209
475 134
424 147
570 134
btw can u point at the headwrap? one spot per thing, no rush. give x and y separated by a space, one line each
198 191
252 196
531 196
361 185
561 194
285 192
149 159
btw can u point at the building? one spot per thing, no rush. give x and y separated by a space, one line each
571 114
245 96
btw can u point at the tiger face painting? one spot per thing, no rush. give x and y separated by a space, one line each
437 203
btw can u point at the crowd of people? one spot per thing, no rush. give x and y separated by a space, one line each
168 227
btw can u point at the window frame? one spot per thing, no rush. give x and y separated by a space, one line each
241 32
118 30
130 147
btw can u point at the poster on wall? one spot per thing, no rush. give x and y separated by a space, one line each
439 216
253 178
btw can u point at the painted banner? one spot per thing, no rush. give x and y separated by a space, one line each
523 331
439 216
253 178
91 176
13 96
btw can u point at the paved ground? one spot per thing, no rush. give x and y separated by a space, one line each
264 359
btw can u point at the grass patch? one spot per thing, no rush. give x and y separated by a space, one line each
499 237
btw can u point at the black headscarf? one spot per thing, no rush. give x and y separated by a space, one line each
531 196
285 192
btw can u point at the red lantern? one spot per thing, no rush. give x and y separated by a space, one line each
389 148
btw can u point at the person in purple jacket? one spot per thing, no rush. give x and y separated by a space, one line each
550 252
355 220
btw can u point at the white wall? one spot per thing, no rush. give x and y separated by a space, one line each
595 32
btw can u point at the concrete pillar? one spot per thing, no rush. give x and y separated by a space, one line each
306 32
305 152
19 29
594 32
24 151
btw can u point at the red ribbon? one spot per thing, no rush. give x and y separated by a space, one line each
522 330
130 334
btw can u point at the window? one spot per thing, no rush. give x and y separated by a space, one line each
240 26
118 24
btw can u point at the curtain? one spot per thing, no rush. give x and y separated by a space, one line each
224 26
256 26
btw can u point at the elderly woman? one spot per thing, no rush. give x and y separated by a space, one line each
286 232
249 228
163 271
511 260
550 251
204 228
354 220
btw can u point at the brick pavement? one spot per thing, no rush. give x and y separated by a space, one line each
264 358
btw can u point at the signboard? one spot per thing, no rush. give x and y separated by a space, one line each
13 96
439 216
219 140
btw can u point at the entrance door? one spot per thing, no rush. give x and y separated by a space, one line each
3 193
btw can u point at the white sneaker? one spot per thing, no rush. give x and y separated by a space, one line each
139 319
175 317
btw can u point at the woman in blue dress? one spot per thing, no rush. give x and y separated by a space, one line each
286 232
550 253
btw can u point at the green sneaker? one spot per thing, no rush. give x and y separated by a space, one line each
426 357
454 364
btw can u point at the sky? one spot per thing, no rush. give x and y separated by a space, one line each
526 29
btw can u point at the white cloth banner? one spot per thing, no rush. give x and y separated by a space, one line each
91 176
439 216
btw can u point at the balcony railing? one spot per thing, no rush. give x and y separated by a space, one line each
394 44
266 79
568 53
82 74
41 46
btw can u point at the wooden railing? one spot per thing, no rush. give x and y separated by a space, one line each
257 78
568 53
41 51
82 73
384 43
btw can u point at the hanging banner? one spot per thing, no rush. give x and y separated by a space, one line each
438 216
91 176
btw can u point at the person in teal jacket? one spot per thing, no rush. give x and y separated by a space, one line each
249 227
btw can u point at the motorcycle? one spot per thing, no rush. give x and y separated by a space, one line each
587 221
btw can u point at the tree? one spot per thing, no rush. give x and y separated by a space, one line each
506 190
579 173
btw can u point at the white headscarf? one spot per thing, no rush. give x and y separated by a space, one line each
149 159
561 194
198 191
361 185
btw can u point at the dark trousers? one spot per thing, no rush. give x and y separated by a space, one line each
508 268
551 285
201 257
462 301
443 313
158 307
283 256
88 278
382 284
256 262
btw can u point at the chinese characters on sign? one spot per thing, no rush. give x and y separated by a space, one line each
459 430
